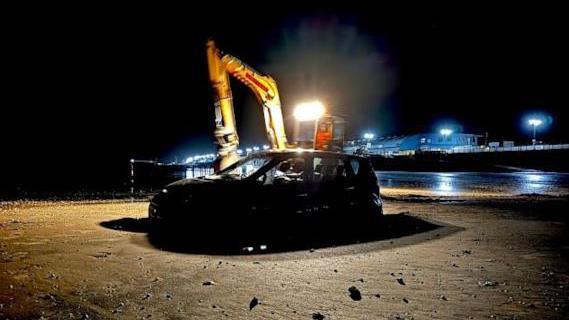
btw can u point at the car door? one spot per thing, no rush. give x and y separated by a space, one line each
365 197
283 189
350 184
328 183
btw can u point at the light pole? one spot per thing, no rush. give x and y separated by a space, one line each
131 180
534 123
446 132
368 136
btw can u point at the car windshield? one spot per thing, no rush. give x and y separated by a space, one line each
245 168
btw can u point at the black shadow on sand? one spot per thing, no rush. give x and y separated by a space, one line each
393 230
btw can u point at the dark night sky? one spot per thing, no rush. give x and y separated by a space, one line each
90 88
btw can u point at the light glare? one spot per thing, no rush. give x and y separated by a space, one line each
309 111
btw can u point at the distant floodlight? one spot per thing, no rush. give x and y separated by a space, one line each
368 136
265 147
239 151
248 150
446 132
190 159
309 111
535 122
255 148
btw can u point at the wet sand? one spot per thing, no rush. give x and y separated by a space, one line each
469 257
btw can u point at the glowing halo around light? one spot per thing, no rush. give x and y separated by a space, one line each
309 111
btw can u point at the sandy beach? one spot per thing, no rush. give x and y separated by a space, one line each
438 258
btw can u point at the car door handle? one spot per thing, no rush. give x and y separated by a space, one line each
302 195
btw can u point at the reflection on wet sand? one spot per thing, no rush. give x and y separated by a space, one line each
459 183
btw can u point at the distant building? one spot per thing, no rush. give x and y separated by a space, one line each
410 144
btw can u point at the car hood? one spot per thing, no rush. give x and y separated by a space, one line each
200 190
206 181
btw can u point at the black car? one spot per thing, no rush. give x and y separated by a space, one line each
282 190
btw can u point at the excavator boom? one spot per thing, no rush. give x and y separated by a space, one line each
265 89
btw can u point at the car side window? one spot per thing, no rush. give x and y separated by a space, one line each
328 169
355 164
287 171
247 168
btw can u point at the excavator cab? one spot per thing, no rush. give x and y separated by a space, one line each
325 134
329 134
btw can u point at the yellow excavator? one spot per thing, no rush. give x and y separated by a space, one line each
328 130
220 66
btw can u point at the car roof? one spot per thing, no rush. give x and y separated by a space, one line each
296 152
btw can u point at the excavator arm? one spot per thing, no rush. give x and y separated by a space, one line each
265 89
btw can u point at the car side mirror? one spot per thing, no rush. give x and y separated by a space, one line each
261 180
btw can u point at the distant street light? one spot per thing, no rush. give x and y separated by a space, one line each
265 147
255 148
446 132
534 123
309 111
368 136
